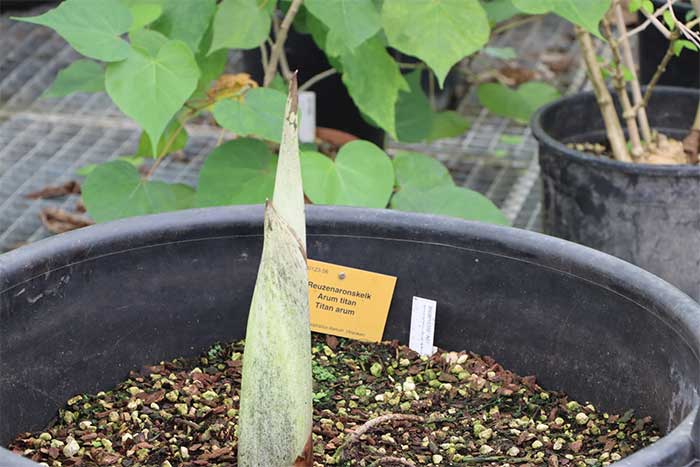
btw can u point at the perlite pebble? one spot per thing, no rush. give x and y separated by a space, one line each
485 449
581 418
71 448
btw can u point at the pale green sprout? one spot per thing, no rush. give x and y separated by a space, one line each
276 390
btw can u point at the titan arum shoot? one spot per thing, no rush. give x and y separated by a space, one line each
276 390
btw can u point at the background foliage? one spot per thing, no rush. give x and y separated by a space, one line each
162 61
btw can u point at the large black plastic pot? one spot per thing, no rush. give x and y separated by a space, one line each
81 309
683 70
646 214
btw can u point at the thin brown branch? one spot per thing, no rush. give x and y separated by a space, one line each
628 113
660 69
647 22
316 78
371 424
628 60
431 90
684 30
613 128
284 64
657 24
165 150
508 25
391 461
277 49
264 60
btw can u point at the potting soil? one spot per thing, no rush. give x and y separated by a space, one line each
374 405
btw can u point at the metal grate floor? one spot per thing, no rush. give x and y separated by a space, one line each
44 141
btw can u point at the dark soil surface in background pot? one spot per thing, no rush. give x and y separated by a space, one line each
373 405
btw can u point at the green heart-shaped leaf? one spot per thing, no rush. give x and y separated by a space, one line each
241 171
374 80
80 76
152 89
92 27
350 22
449 201
584 13
447 124
418 171
144 14
186 20
261 113
518 104
134 160
211 66
415 119
174 137
361 175
414 115
499 10
148 40
115 190
241 24
439 32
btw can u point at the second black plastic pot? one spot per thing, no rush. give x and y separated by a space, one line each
79 310
334 106
646 214
684 70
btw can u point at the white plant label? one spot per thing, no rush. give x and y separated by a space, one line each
422 326
307 112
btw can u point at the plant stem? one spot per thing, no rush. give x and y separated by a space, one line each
431 89
661 68
658 24
695 130
220 139
263 56
507 26
613 129
370 424
628 112
166 148
696 124
391 460
284 64
277 49
647 22
484 459
629 63
411 66
316 78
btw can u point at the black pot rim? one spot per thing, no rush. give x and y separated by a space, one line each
642 287
581 157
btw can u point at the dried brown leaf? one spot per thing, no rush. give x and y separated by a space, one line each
69 188
58 220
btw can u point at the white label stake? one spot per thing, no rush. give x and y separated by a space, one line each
307 112
422 325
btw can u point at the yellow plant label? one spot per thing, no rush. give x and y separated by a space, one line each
349 302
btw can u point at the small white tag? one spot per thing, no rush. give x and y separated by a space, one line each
307 112
422 326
